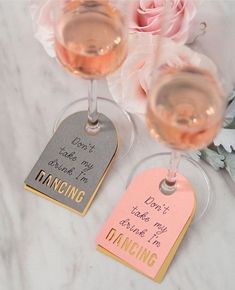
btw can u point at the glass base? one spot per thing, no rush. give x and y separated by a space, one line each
190 169
121 120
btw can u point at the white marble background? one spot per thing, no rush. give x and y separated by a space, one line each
42 245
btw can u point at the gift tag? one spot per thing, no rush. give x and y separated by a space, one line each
74 163
146 228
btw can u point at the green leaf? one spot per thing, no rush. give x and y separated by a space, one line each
226 138
213 158
229 161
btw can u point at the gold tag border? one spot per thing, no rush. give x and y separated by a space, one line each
83 213
161 273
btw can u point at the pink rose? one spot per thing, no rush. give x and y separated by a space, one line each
130 85
148 14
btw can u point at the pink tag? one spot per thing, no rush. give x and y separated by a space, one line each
146 227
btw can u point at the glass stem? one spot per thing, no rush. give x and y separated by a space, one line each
92 126
168 185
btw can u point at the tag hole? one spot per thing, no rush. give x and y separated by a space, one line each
167 189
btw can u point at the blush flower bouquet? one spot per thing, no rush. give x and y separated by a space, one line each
130 85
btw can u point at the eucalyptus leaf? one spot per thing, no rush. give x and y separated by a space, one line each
195 155
229 161
215 159
226 138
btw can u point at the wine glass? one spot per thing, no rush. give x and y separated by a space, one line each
91 42
185 111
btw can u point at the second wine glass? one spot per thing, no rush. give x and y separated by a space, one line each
185 110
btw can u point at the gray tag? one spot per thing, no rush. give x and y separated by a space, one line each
74 163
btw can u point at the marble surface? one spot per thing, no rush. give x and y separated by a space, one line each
42 245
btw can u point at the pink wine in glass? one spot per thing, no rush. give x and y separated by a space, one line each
91 41
185 108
